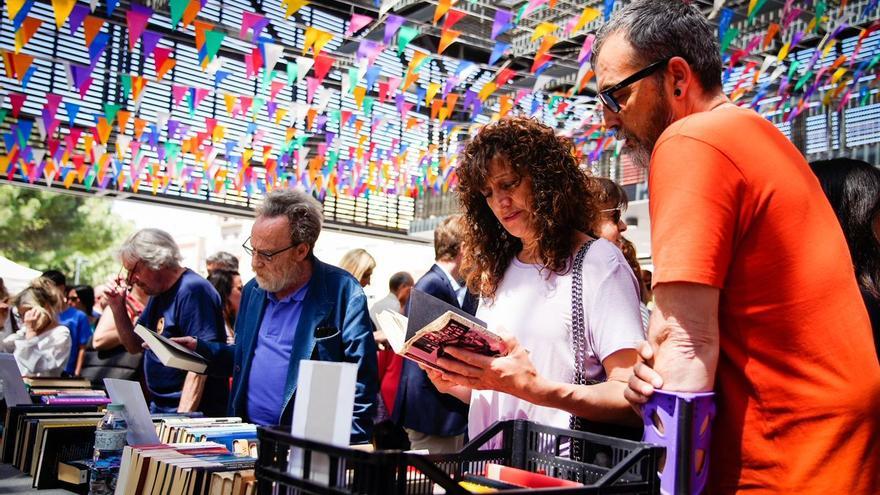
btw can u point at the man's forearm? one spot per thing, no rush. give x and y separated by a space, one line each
191 395
685 336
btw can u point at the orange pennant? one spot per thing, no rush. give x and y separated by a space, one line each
441 10
447 38
28 28
92 26
122 117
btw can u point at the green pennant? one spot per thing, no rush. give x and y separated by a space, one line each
268 75
803 80
213 40
90 179
172 149
300 141
292 73
793 68
332 159
335 116
873 62
368 104
729 36
758 7
259 103
352 79
404 36
110 112
126 85
820 11
3 112
178 7
521 12
190 103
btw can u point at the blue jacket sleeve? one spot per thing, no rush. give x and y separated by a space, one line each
220 356
360 348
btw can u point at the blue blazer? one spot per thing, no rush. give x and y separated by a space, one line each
419 405
334 299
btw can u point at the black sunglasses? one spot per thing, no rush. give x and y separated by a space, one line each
263 254
615 213
607 96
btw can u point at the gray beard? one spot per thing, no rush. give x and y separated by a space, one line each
661 117
283 281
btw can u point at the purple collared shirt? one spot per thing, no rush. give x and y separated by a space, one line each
268 375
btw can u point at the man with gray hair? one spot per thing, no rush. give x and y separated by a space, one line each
221 260
296 308
182 303
754 289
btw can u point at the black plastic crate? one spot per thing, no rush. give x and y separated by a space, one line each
632 466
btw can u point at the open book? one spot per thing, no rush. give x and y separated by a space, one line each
171 353
434 325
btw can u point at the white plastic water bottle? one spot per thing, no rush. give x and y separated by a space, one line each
109 443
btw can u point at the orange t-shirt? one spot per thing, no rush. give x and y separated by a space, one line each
734 205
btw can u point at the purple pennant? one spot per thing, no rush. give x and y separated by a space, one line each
321 121
172 128
399 100
392 24
368 49
451 82
329 137
797 37
149 40
502 22
497 51
80 74
79 12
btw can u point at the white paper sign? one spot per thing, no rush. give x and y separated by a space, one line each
137 414
14 390
322 412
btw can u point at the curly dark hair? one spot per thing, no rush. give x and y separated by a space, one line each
562 201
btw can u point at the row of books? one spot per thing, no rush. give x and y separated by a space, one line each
195 456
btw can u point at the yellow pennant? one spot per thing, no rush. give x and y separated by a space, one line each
292 6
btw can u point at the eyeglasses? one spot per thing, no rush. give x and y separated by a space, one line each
614 216
128 276
607 96
263 254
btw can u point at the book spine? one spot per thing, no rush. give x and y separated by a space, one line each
76 401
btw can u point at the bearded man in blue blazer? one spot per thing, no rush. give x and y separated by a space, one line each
296 308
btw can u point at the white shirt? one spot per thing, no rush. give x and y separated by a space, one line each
535 307
460 290
43 355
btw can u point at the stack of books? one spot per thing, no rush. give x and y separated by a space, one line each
66 391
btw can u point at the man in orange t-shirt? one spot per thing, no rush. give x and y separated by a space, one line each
754 289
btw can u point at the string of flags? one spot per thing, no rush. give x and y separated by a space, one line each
121 147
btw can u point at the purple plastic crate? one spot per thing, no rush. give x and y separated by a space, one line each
682 423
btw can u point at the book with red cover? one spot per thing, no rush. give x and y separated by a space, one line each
525 478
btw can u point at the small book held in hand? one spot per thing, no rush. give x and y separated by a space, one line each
171 353
432 326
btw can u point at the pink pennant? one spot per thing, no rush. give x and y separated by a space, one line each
178 91
393 84
357 23
252 22
276 87
52 103
200 95
312 85
137 19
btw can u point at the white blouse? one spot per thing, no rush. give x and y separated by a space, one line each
43 355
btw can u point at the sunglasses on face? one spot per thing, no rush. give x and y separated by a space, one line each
73 298
607 96
615 213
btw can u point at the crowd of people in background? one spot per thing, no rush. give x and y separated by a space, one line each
752 296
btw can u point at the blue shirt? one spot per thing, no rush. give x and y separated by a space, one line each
80 332
191 307
272 357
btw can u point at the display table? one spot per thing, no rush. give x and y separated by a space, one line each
13 481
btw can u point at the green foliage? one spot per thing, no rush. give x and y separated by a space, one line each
43 229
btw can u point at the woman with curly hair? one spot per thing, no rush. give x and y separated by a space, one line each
527 207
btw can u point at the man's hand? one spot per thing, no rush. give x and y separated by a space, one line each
381 340
644 379
116 296
512 373
188 342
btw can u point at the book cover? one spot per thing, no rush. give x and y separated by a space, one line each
56 382
13 416
432 326
525 478
171 353
61 444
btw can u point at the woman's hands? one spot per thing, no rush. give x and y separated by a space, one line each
36 320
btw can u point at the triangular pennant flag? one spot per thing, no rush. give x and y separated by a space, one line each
28 28
441 9
110 111
272 53
447 38
588 15
160 59
303 65
213 40
110 7
497 52
543 29
293 6
62 9
323 63
316 39
177 7
122 120
13 7
372 75
406 34
72 110
452 17
501 23
92 26
359 93
16 100
149 40
136 19
252 22
392 24
177 92
312 84
357 23
74 21
96 49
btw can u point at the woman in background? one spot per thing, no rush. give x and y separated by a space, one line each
82 297
359 264
228 285
41 346
612 203
853 188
